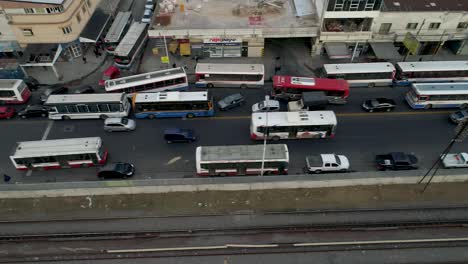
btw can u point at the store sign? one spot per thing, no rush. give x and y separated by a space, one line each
222 40
255 20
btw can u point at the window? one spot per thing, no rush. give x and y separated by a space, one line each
29 11
78 17
385 28
433 26
27 32
67 30
462 25
53 10
411 25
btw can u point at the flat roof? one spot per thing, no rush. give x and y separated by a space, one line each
294 118
233 14
85 98
433 66
243 152
117 27
148 77
371 67
56 146
441 88
424 5
9 83
130 38
171 97
230 68
95 26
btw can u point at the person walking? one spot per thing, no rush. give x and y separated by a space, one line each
6 178
84 59
174 65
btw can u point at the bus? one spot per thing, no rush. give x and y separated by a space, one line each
172 104
174 79
131 46
431 71
293 125
242 160
87 106
59 153
291 88
229 75
14 91
361 74
119 27
438 95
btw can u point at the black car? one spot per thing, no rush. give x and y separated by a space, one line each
33 111
56 89
116 170
231 101
84 89
378 104
172 135
32 83
396 161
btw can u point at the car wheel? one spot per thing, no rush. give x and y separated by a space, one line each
388 109
428 106
371 85
243 86
151 116
23 117
169 142
318 171
371 110
103 116
43 115
222 174
8 117
210 85
275 138
65 118
343 170
190 115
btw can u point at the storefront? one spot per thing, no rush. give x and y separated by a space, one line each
222 47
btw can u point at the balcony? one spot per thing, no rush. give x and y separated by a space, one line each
31 19
346 36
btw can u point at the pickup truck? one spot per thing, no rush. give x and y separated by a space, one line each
396 161
327 163
455 160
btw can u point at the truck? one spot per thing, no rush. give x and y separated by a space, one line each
396 161
455 160
310 101
326 163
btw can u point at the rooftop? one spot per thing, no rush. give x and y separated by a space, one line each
243 152
425 5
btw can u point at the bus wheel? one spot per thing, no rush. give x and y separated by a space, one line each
190 115
275 138
463 106
151 116
103 116
318 171
65 118
210 85
243 86
222 174
43 115
428 106
371 85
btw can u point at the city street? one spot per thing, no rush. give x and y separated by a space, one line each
359 136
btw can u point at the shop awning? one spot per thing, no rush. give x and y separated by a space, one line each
185 49
337 51
385 50
40 55
9 46
96 25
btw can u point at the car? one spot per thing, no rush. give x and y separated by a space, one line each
116 170
33 111
455 160
6 112
147 15
378 104
55 89
459 116
172 135
231 101
267 105
119 124
327 163
149 4
396 161
83 89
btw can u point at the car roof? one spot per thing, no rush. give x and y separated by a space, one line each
237 95
113 120
399 156
176 130
111 166
384 100
35 107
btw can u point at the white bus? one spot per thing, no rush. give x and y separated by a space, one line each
229 75
131 45
241 160
438 95
14 91
293 125
59 153
174 79
431 71
87 106
361 74
117 31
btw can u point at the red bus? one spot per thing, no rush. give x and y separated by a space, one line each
291 88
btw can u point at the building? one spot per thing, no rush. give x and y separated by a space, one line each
226 28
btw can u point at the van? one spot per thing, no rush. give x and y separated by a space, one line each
179 135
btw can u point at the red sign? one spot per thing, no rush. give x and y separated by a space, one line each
255 20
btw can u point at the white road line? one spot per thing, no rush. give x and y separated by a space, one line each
173 160
47 131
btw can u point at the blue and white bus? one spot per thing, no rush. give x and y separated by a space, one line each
438 95
172 104
431 71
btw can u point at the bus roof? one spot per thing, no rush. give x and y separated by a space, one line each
441 88
171 97
229 68
85 98
129 40
310 83
144 78
67 146
373 67
432 66
9 83
294 118
117 28
243 153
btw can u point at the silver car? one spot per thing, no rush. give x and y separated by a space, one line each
459 116
119 124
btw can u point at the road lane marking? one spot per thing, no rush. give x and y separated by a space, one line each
47 131
173 160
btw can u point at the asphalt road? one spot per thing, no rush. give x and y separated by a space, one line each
359 135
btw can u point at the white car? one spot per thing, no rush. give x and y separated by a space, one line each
327 163
147 15
266 105
455 160
119 124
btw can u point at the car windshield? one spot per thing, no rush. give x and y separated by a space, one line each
338 161
261 105
374 103
124 121
459 114
120 167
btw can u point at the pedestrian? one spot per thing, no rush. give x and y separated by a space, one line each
174 65
6 178
420 59
84 59
99 54
96 52
196 58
